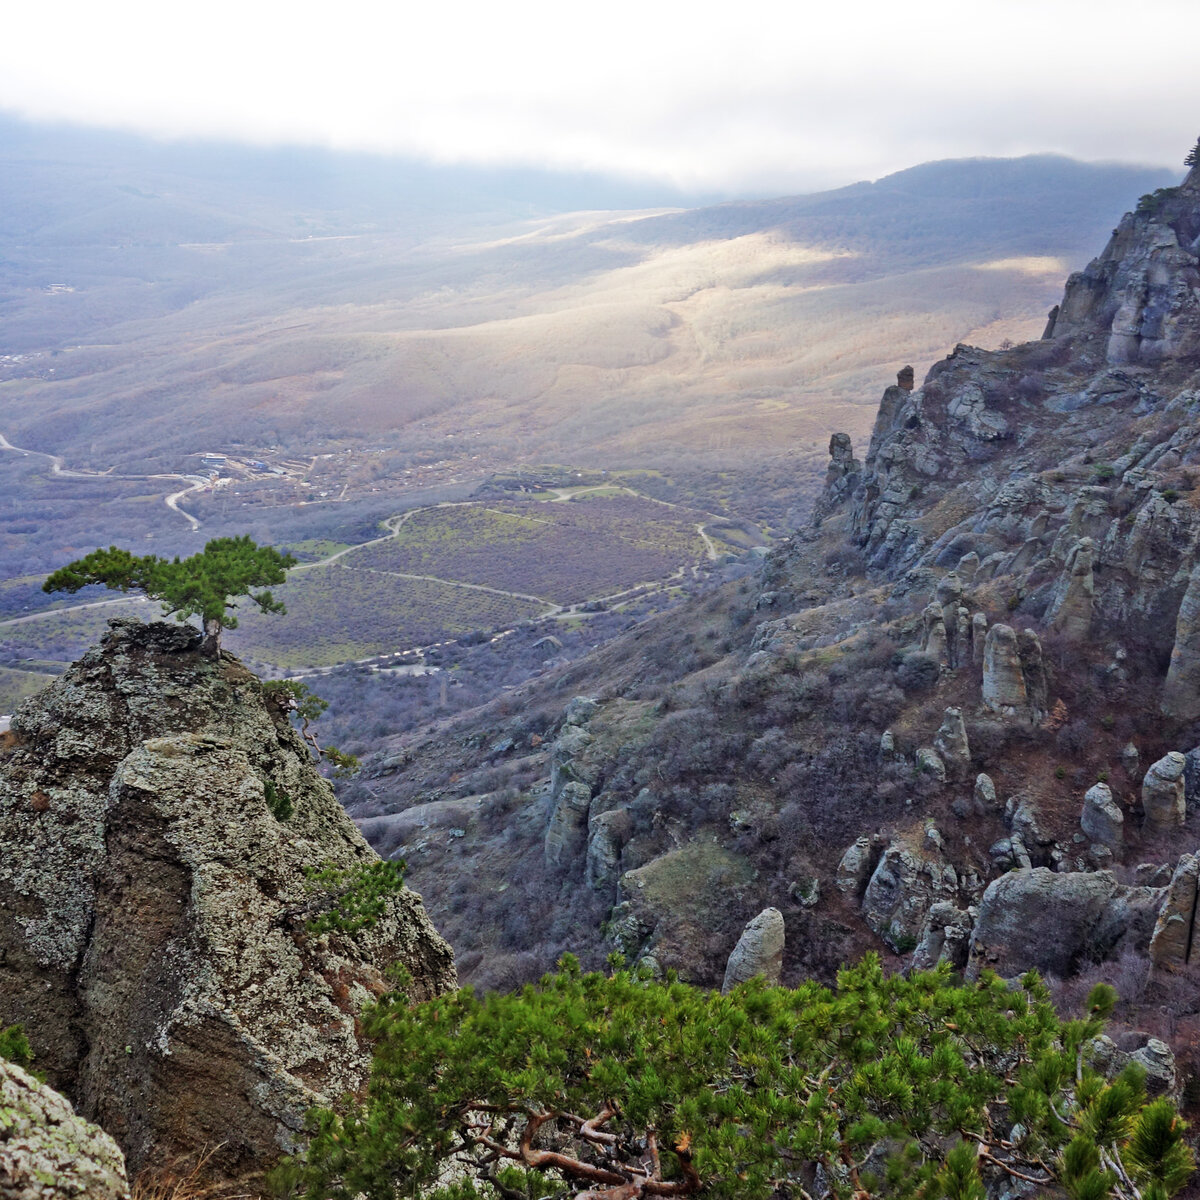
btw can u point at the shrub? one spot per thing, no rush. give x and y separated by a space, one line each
624 1086
918 671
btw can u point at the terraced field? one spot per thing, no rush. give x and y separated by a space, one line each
592 546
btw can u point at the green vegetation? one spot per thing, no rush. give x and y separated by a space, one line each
356 897
912 1087
14 1046
203 585
16 685
1152 203
298 700
1104 471
278 801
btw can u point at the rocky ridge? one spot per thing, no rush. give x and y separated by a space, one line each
953 715
167 850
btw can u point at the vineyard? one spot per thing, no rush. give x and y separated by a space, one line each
564 553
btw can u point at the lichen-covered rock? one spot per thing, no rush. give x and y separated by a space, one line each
1102 819
985 793
1003 681
567 758
1163 802
155 895
1174 941
49 1153
580 710
1054 921
930 763
1158 1061
906 882
951 744
566 834
759 951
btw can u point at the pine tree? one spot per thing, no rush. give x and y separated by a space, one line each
203 585
621 1087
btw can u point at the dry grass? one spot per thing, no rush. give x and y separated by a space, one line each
192 1178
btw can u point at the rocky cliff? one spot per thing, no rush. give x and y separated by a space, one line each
953 719
189 924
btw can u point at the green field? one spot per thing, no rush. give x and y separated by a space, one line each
16 685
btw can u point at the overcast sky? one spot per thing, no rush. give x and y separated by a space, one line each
744 96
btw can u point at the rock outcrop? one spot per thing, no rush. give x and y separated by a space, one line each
1052 922
172 868
905 884
1003 682
1071 609
1174 942
49 1153
1181 692
1163 797
566 835
1102 819
759 950
952 746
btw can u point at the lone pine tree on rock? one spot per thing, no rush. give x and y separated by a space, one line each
203 585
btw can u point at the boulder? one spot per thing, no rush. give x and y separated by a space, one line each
1163 803
935 643
979 632
903 887
759 951
1158 1061
49 1153
165 844
1036 918
567 831
1102 819
950 742
580 710
1003 680
985 793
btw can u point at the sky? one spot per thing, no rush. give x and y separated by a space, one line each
752 96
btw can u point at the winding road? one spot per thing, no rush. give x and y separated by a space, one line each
58 471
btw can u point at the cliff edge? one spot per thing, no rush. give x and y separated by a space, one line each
189 923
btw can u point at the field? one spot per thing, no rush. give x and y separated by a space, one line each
592 546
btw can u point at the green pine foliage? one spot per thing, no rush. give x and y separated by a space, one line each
354 897
203 585
617 1087
278 801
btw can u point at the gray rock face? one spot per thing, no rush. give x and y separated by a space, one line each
1163 801
1174 942
606 835
1140 294
566 834
855 868
951 744
1070 611
567 762
49 1153
759 950
935 642
154 937
906 883
1181 692
580 710
1037 918
1003 682
945 938
1102 819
